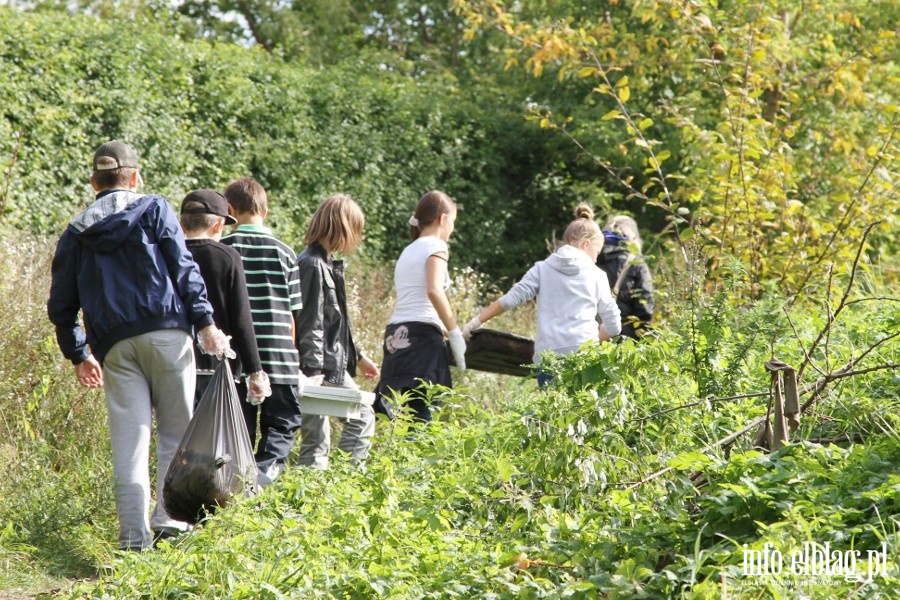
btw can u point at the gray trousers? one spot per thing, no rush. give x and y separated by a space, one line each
142 375
355 437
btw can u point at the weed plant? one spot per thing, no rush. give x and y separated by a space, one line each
615 481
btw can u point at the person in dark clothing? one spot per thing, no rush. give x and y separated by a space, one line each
629 277
204 214
324 338
123 264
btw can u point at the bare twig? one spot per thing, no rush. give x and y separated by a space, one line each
873 299
843 301
697 403
800 342
845 371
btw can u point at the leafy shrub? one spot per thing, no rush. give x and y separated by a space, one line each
201 114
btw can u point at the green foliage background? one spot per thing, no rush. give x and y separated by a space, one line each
514 492
201 114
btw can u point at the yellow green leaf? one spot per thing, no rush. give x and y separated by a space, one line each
624 94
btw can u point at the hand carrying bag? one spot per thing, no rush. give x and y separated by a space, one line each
214 461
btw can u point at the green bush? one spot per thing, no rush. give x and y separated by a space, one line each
200 114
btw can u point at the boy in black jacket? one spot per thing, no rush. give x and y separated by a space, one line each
204 214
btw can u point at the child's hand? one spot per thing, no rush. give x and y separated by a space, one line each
89 373
213 341
259 387
458 348
471 326
367 367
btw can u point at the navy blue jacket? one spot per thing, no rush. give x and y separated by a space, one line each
123 262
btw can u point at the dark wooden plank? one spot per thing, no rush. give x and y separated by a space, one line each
496 351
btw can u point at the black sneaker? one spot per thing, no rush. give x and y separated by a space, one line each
162 534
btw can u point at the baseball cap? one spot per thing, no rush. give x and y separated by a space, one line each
207 202
115 155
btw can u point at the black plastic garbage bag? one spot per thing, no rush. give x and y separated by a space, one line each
214 461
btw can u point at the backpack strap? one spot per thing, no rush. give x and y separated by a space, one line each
629 260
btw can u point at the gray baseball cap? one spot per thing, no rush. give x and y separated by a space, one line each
115 155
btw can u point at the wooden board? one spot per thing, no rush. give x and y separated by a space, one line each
499 352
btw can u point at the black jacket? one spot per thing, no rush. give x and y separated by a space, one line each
635 298
226 289
323 331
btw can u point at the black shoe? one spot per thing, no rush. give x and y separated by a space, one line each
162 534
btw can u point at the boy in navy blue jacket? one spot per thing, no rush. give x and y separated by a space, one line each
123 264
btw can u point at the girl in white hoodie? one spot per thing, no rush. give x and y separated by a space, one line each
572 293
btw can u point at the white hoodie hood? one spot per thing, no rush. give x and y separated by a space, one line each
569 260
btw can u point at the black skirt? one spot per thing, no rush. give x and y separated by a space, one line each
413 353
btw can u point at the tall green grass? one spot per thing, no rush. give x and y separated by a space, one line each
57 513
514 492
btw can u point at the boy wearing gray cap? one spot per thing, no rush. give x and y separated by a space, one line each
123 264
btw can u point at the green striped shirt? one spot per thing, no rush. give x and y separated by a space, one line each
273 284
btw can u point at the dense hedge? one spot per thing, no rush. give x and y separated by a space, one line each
200 114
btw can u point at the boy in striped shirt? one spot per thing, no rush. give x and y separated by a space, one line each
273 285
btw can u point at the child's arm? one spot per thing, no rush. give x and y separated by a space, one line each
310 326
435 269
435 274
524 290
607 310
492 310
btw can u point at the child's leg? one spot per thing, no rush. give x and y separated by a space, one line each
279 420
315 441
357 433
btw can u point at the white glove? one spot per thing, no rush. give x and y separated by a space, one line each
259 388
213 341
471 326
458 348
305 381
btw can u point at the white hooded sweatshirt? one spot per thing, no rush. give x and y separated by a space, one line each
572 295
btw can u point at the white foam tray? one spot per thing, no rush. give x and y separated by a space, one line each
334 401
